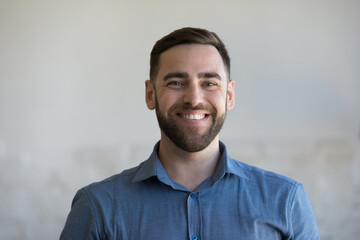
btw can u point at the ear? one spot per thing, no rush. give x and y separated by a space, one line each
231 95
149 95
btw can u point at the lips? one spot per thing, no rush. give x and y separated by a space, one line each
194 116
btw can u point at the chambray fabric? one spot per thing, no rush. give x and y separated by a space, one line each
238 202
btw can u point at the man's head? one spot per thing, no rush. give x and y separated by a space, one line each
187 36
190 87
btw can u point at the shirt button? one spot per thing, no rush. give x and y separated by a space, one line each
194 237
193 196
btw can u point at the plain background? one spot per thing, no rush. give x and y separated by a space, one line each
72 108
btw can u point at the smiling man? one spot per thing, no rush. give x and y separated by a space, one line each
190 188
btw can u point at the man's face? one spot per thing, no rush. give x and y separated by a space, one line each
191 95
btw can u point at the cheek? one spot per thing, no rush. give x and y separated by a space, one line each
166 100
218 98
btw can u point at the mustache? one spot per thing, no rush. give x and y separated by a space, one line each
189 106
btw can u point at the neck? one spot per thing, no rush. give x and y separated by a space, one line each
189 169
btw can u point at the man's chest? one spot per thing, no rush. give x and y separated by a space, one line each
190 216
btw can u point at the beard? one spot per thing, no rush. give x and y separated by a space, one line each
187 138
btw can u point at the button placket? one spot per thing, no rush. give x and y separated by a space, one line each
194 237
194 221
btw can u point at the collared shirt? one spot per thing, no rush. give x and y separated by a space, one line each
238 202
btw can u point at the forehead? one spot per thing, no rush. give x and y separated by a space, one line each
191 58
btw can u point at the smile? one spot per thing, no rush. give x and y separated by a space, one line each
194 116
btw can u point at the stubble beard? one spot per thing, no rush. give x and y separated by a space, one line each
186 137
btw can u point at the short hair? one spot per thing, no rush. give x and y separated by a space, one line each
187 36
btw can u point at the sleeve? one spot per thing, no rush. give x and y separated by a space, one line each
81 222
302 219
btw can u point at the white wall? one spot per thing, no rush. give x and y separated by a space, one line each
72 107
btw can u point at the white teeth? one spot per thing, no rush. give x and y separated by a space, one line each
194 117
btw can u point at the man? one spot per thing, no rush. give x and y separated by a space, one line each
189 188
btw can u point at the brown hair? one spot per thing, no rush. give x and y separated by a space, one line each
187 36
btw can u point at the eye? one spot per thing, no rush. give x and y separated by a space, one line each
174 84
209 84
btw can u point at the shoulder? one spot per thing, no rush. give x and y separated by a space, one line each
263 182
112 185
278 195
254 173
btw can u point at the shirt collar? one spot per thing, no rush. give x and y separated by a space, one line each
152 167
227 165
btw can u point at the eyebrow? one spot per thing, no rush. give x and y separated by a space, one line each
209 75
176 75
185 75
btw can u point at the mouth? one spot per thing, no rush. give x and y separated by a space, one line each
194 116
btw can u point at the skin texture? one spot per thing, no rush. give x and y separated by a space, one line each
191 95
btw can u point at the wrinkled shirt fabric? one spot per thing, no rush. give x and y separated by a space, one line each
238 202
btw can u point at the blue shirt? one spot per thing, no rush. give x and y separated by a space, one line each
238 202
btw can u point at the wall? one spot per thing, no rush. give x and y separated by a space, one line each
72 107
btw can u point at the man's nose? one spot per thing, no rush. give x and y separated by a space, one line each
193 94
